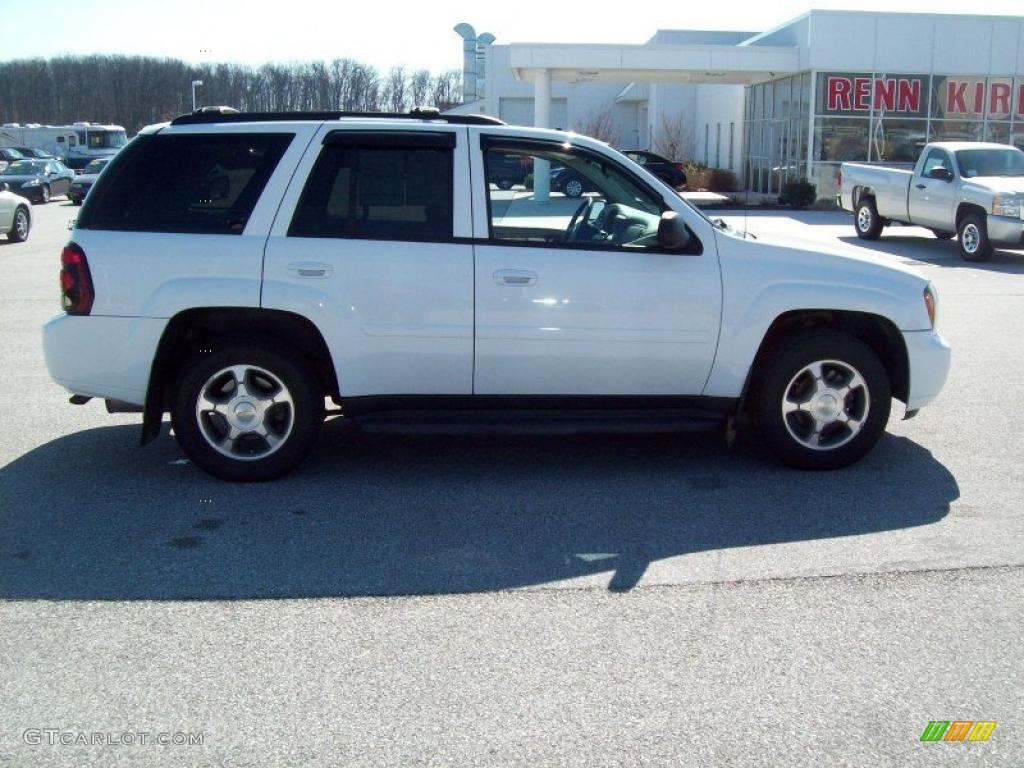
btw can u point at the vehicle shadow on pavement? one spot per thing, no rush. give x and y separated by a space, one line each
913 249
92 516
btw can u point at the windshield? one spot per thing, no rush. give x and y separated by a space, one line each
106 139
13 154
95 166
23 168
990 162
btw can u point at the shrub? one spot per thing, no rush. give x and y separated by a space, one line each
798 193
699 177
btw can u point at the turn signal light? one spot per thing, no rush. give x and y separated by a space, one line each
931 301
76 291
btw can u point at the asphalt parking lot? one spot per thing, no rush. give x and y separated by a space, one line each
520 600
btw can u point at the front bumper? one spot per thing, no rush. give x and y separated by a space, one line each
929 356
1005 230
107 357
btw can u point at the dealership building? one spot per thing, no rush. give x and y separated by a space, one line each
789 103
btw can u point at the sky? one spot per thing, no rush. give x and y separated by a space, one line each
385 33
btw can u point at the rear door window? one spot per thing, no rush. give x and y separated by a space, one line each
198 183
379 186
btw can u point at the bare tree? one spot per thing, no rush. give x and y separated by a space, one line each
446 89
600 124
394 96
674 140
419 88
138 90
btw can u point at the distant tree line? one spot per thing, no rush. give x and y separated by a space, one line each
134 91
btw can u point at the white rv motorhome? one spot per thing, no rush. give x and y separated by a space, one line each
75 144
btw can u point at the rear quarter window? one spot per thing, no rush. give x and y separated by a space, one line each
197 183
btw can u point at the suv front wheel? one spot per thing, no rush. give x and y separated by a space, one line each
246 412
822 401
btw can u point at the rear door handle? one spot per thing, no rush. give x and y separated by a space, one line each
516 277
310 269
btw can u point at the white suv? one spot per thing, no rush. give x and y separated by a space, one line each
237 270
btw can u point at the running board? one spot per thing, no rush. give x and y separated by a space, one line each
537 422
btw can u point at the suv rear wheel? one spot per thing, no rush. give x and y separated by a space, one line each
247 412
822 402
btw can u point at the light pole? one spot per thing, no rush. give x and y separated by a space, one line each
194 84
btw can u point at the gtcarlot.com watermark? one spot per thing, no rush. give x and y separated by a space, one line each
59 737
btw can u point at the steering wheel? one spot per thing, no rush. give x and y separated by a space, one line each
578 218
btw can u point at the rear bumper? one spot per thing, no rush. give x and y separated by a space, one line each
1004 230
929 355
106 357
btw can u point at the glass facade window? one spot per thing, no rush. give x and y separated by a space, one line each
870 117
840 139
897 141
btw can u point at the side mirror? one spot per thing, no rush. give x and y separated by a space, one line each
672 232
940 173
3 186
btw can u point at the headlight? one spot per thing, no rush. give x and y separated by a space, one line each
1006 205
931 303
33 183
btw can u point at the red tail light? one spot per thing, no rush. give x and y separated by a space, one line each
76 292
840 178
679 167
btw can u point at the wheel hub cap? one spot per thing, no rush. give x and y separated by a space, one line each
970 238
825 405
245 412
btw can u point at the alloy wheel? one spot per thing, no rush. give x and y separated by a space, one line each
825 405
245 412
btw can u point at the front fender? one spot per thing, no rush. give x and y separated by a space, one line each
764 281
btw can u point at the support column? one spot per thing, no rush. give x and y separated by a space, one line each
542 119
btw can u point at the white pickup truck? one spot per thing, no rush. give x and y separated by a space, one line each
968 189
237 269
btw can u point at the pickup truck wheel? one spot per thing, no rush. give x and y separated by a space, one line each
974 242
822 401
867 222
247 412
505 184
18 232
939 234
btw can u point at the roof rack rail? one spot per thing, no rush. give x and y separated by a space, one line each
207 115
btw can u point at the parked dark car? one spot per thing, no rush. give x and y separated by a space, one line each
38 180
83 182
505 171
8 156
669 172
573 184
31 153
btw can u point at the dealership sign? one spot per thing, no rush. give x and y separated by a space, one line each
911 95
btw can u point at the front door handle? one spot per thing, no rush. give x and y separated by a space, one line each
515 277
921 186
310 269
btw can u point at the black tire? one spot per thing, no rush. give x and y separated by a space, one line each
973 237
44 194
866 220
777 378
505 184
21 225
307 412
939 234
